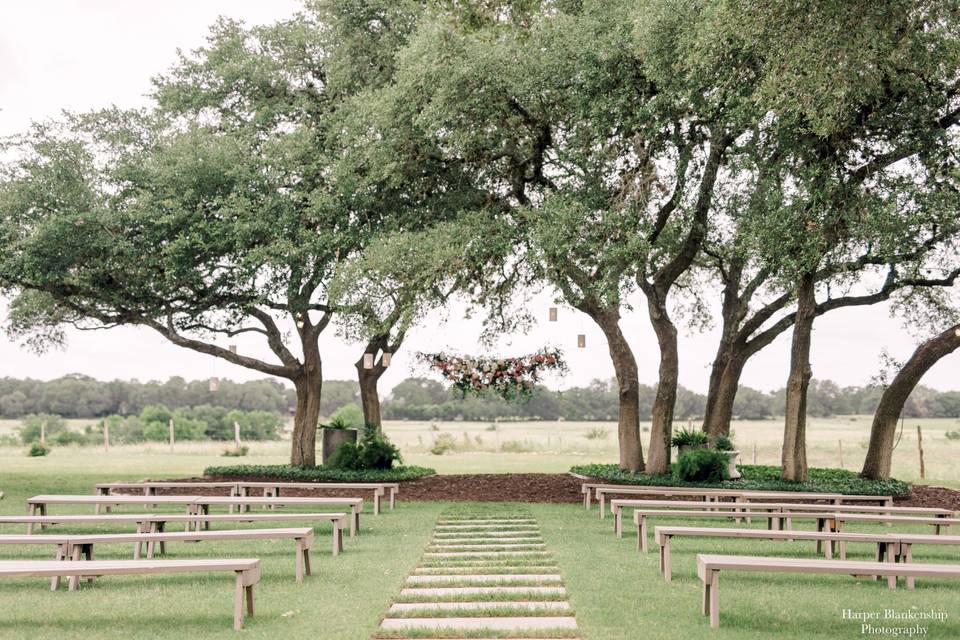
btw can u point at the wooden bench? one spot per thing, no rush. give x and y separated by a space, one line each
641 519
274 489
202 505
196 505
157 523
247 573
710 566
46 521
75 546
905 542
887 544
149 488
618 505
706 494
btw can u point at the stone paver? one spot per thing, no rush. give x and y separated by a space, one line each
475 557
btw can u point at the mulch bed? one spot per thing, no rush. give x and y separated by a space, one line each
537 487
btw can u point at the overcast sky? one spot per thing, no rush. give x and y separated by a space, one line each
84 54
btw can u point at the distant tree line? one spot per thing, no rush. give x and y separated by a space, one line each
78 396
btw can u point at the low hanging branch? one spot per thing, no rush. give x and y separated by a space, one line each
509 378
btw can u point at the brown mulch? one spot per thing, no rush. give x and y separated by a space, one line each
537 487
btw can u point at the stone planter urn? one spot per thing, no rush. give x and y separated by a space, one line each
333 438
732 470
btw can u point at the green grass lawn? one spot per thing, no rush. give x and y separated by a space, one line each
616 592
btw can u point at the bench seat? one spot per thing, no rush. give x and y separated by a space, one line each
886 543
247 573
710 566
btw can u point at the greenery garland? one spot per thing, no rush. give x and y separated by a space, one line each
509 378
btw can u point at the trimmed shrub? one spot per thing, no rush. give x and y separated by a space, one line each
318 474
347 456
38 450
30 426
701 465
236 452
443 443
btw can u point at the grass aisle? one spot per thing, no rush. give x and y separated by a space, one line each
487 573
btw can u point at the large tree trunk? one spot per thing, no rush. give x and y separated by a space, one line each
658 462
369 397
723 391
794 457
880 451
625 367
308 385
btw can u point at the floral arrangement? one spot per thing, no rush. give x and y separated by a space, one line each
509 378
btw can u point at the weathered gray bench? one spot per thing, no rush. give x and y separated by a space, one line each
274 489
748 508
887 544
710 566
247 573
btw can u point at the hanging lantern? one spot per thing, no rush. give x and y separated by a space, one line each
233 348
582 341
553 314
368 361
214 384
385 358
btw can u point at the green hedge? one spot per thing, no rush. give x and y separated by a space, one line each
318 474
760 478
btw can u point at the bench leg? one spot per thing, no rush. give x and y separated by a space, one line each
891 552
665 560
393 498
306 561
354 521
337 538
907 556
618 522
602 499
828 550
238 603
586 500
74 581
643 535
88 554
249 590
60 556
376 503
714 599
299 560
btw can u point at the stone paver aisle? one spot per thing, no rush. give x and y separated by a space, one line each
484 575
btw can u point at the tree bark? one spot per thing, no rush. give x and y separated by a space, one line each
625 367
303 452
369 396
724 383
794 456
880 451
658 462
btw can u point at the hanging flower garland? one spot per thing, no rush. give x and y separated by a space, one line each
509 378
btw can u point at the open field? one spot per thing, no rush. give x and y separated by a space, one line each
616 593
478 447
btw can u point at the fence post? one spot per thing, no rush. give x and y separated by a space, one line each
171 434
43 432
840 446
106 435
236 434
923 471
754 453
